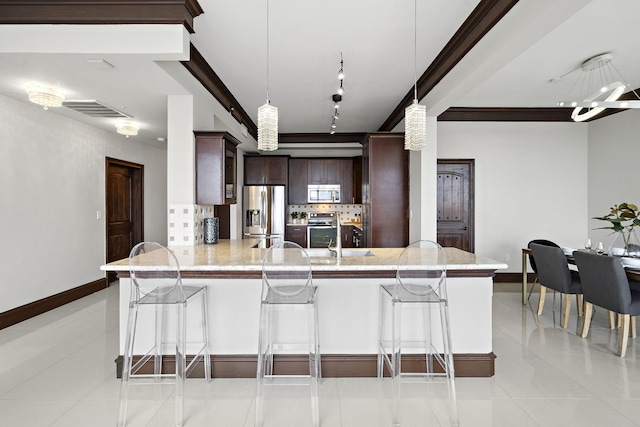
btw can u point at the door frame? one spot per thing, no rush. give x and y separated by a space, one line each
472 196
137 204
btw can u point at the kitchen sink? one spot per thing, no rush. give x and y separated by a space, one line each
325 253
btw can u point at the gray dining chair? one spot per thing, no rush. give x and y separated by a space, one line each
554 273
605 284
532 261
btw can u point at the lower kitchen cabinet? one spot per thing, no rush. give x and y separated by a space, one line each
347 236
296 234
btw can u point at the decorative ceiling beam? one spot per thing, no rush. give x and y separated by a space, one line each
491 114
202 71
483 18
321 138
100 12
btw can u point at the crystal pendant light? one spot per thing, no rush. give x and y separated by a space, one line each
267 114
415 115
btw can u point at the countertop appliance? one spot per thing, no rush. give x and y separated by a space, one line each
321 229
264 213
323 193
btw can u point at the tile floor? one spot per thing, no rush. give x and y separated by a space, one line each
57 369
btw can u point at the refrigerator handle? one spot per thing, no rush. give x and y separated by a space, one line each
263 209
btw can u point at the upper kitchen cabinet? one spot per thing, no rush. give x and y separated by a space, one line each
265 170
357 180
345 174
298 181
323 171
385 191
216 154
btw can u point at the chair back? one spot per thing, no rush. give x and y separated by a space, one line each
422 270
286 270
604 281
544 242
154 272
553 269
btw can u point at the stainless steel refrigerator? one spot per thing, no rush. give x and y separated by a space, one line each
264 213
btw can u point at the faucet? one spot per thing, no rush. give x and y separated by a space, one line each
337 249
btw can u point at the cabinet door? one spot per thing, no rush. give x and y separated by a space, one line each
254 171
347 236
316 171
346 181
297 234
215 168
298 181
324 171
276 170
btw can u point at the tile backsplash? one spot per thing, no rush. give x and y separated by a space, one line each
186 223
347 212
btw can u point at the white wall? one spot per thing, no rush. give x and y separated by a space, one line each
614 169
530 182
52 185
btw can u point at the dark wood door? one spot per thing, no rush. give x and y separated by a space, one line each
456 204
124 209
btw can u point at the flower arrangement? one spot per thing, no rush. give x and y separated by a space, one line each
303 216
294 216
623 218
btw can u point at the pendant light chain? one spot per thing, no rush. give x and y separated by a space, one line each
415 115
267 114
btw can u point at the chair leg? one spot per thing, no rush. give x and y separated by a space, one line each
543 293
579 304
396 362
181 362
588 312
126 364
448 357
633 326
566 307
381 349
262 362
205 336
314 361
612 320
623 335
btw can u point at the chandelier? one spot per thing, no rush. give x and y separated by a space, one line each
415 115
599 71
267 114
127 128
45 95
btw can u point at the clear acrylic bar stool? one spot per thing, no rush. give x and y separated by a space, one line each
286 286
420 283
156 283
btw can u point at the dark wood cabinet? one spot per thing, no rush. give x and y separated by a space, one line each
216 168
347 236
357 180
385 191
324 171
296 234
297 188
265 170
303 172
345 173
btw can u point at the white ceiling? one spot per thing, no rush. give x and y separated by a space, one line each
510 67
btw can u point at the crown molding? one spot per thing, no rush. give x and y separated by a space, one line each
100 12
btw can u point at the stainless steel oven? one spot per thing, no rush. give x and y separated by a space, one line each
321 229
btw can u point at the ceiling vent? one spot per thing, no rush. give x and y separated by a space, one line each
94 108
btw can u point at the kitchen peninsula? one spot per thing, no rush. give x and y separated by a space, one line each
347 301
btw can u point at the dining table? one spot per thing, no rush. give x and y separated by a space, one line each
632 273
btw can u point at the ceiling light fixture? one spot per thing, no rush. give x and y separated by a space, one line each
127 128
267 114
45 95
598 69
337 97
415 115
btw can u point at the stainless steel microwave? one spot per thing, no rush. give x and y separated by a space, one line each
323 193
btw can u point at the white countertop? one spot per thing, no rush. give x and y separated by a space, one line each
240 255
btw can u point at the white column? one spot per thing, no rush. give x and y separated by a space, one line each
429 183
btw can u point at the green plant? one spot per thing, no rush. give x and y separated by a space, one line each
294 215
303 215
624 212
